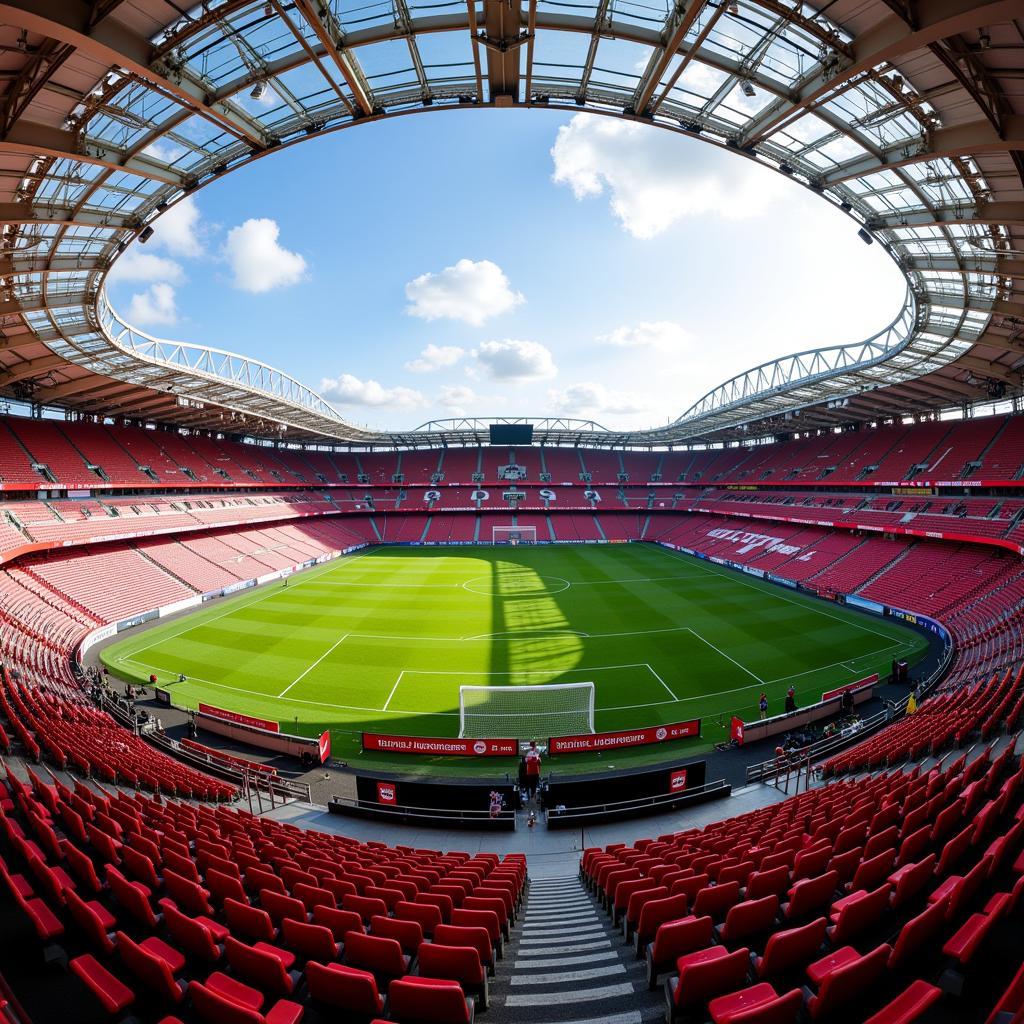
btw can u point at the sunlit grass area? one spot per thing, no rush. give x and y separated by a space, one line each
382 640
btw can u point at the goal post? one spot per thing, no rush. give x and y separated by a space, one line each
526 712
513 535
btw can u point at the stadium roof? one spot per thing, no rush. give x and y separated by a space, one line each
906 113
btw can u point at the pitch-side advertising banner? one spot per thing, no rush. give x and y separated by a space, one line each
440 745
236 716
631 738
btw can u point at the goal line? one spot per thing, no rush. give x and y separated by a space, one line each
526 712
513 535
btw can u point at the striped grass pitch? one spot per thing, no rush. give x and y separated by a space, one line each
382 640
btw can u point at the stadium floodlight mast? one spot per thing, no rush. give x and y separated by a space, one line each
526 712
513 535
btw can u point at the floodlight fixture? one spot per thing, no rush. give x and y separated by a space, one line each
865 236
747 88
259 90
146 234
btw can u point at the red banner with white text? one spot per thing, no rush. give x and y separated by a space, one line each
237 716
626 738
440 745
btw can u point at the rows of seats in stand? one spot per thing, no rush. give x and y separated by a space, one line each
53 720
211 914
80 521
866 899
113 582
944 720
889 454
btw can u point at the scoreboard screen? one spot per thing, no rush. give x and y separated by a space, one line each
512 433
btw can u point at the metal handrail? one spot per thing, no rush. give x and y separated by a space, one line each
623 806
771 768
415 811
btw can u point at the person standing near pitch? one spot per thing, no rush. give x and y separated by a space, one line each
532 769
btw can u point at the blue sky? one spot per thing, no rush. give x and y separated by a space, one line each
508 263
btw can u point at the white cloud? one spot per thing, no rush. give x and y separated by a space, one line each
593 399
457 398
258 262
654 178
511 359
350 390
137 265
663 336
164 151
178 229
153 306
469 291
434 357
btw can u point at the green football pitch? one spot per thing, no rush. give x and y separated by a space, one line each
382 640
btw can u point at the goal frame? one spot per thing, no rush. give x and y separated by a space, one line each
546 688
498 532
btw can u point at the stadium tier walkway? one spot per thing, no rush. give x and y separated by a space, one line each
569 965
550 853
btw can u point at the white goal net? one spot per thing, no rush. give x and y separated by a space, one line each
526 712
513 535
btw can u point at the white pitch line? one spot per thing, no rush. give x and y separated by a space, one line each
269 592
743 668
393 688
290 700
389 586
809 606
518 672
529 634
337 643
662 681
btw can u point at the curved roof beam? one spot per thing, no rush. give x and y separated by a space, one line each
70 22
60 249
963 140
887 42
43 140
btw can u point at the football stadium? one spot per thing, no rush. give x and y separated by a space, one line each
557 563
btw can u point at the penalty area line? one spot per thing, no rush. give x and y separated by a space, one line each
753 675
393 689
337 643
668 689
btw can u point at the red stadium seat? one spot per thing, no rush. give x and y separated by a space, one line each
456 963
844 975
382 956
705 974
348 989
429 1001
791 949
674 939
759 1004
909 1005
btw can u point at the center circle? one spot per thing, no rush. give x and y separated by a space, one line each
488 586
